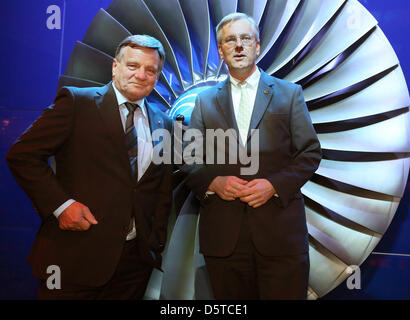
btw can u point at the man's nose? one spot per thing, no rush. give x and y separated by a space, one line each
238 45
140 73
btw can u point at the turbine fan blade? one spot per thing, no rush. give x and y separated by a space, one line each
363 58
89 63
387 136
104 23
197 17
355 92
253 8
387 94
274 20
174 26
138 19
220 8
370 210
178 281
314 15
345 243
331 45
327 271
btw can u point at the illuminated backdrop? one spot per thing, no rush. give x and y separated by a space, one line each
352 81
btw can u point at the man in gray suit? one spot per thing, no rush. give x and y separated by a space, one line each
252 228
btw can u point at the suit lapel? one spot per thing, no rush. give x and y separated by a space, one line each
107 106
263 98
225 106
155 122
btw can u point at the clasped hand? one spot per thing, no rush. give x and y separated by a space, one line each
255 192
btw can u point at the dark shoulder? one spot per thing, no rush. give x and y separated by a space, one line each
81 92
279 83
212 91
209 92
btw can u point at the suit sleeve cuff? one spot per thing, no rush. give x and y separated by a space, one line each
64 206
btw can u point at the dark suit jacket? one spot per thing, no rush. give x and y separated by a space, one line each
289 153
83 131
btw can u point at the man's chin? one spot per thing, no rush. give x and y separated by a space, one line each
240 68
135 95
239 65
133 98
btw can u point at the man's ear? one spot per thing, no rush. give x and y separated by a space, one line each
258 48
156 80
114 66
221 55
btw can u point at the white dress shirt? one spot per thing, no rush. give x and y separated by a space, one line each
145 148
251 88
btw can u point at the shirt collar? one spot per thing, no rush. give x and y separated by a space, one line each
121 100
252 81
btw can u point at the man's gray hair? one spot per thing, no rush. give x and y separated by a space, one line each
233 17
141 41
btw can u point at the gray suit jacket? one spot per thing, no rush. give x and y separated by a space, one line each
289 154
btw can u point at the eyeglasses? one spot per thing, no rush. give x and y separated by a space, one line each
231 41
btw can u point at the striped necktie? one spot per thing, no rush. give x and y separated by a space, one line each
131 138
131 143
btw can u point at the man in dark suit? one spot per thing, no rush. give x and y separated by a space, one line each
105 209
252 228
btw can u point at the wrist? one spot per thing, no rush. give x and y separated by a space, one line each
212 185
